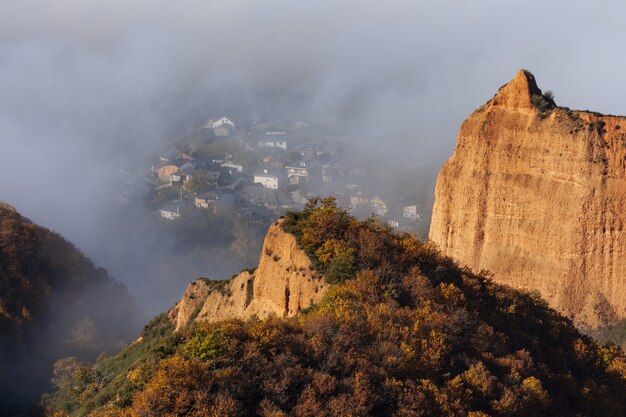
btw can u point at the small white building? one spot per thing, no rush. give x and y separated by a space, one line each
220 127
410 212
273 143
269 177
224 121
274 139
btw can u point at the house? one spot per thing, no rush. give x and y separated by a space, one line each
206 200
270 199
220 127
269 177
274 139
358 199
410 212
278 143
233 168
231 165
226 202
201 174
224 121
305 170
378 206
171 211
220 200
222 131
165 170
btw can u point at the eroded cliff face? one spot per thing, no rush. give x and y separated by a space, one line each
539 199
282 285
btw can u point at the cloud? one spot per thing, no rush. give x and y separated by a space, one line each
87 87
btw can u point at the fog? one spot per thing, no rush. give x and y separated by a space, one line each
90 88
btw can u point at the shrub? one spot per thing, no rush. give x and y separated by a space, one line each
542 103
204 345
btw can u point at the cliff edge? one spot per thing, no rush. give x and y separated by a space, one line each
536 194
282 285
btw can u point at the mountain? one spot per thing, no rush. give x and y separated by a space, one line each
536 194
53 303
400 330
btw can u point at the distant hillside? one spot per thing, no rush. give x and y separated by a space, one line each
536 194
53 302
401 331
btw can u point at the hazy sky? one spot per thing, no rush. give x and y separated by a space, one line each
85 84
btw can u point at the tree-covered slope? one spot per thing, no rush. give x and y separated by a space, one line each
53 302
403 331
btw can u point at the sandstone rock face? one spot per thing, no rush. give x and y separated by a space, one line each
539 199
282 285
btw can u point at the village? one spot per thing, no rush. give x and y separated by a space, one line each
257 170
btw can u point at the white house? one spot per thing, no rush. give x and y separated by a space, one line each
410 212
224 121
273 143
274 139
220 127
269 177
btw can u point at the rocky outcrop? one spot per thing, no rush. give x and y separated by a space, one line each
282 285
537 195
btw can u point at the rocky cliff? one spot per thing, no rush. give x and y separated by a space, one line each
537 195
282 285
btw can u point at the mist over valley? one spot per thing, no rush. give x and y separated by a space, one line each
154 154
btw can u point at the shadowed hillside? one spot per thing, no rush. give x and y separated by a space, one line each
53 302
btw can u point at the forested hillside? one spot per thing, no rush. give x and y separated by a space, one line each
53 302
402 331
